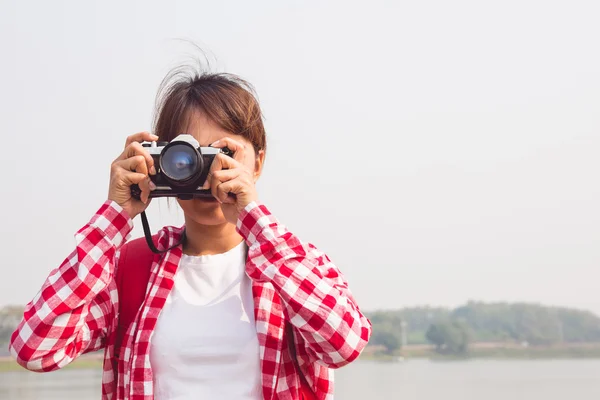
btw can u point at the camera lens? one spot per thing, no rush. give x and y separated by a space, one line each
180 162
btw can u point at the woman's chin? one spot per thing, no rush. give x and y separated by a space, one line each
204 211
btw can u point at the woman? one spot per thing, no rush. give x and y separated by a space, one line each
213 321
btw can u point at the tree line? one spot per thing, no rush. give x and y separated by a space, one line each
449 330
452 330
10 316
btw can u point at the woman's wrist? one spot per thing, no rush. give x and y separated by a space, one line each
252 220
113 221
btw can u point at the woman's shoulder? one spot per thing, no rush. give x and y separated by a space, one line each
164 236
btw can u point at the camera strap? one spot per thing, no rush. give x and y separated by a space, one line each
148 236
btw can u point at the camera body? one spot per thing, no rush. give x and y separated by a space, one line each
182 167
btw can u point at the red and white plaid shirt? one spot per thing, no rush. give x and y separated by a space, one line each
75 312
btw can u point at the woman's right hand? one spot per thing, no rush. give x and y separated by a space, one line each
132 167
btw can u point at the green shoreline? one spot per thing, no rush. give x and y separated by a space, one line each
545 353
494 353
9 365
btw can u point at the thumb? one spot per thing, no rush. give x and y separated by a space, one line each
131 178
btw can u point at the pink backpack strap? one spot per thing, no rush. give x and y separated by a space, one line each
132 276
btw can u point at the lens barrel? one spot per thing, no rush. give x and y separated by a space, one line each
181 163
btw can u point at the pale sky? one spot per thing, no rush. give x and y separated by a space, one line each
437 151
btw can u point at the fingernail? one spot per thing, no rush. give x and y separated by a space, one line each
151 185
154 136
152 170
215 143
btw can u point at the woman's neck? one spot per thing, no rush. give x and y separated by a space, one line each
209 239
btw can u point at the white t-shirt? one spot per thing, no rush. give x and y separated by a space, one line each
205 345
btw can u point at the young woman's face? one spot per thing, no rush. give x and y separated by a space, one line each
208 211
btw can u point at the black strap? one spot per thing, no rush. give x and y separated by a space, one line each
148 236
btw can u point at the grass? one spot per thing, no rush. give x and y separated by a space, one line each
8 365
523 353
498 352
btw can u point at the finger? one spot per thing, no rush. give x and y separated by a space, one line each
225 162
145 188
220 163
214 183
225 175
123 179
140 137
132 178
135 149
135 164
226 189
128 179
123 169
237 147
219 177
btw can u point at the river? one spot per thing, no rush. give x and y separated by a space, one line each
414 379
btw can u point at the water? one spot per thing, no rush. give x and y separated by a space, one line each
414 379
471 380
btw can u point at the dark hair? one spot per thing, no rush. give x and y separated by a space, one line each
226 99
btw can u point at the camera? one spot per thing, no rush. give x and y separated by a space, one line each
182 166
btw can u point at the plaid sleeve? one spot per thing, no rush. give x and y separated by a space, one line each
313 290
74 309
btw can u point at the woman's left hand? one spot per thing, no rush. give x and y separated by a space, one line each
231 181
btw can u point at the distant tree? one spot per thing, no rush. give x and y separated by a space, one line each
532 323
490 322
418 320
449 337
435 336
9 319
386 338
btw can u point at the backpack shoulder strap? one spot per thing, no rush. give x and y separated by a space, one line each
133 273
132 276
